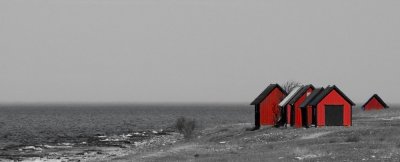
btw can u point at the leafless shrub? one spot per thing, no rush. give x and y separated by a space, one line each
353 139
185 126
278 118
276 113
250 129
290 85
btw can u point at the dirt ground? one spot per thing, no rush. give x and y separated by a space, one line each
373 137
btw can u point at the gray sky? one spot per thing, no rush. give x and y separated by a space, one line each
194 50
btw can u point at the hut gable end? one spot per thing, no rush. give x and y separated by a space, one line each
328 90
375 102
266 92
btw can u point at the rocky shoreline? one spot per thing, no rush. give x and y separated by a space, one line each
94 148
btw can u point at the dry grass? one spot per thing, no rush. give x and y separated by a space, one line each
300 151
353 139
332 140
369 139
185 126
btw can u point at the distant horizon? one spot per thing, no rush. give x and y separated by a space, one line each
145 103
120 103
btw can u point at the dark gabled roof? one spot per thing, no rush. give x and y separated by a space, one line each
289 97
377 98
300 93
328 90
297 95
311 97
266 92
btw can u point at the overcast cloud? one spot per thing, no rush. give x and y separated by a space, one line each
194 50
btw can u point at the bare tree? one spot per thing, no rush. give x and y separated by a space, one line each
290 85
280 119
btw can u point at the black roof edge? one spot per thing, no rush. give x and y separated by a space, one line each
300 93
280 88
330 89
378 98
343 95
266 92
312 96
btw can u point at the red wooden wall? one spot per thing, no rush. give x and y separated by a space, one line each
373 104
269 108
334 98
297 109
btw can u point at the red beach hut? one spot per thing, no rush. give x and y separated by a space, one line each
309 113
266 105
285 107
375 103
332 107
295 110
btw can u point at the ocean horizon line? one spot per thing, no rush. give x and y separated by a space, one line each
120 103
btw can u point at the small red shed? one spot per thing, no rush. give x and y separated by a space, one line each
375 103
284 106
294 105
309 113
266 105
332 108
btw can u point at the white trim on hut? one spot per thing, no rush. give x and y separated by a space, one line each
289 97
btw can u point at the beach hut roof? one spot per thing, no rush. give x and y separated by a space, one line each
286 100
328 90
300 93
377 98
312 96
266 92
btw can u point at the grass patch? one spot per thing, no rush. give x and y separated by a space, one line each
332 140
353 139
300 151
